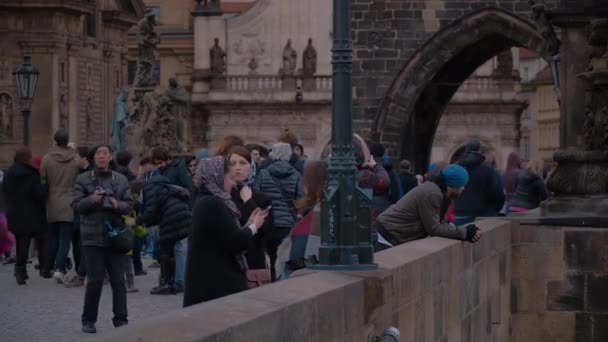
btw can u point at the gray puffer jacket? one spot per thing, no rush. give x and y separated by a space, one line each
93 215
281 182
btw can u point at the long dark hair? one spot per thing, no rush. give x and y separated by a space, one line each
315 173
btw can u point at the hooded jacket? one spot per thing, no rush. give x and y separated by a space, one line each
281 182
58 172
530 191
484 194
25 197
166 205
177 173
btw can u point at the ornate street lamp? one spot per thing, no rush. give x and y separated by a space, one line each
345 208
27 76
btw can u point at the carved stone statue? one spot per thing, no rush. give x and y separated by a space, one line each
179 108
309 60
290 57
504 65
218 59
63 113
147 39
119 121
545 28
6 115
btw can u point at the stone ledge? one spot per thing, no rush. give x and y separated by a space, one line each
340 306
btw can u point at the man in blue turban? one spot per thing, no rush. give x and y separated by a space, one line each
420 213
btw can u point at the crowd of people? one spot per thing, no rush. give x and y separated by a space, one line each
221 222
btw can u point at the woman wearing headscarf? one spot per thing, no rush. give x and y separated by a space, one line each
247 200
216 264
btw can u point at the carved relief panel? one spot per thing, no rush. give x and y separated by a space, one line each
7 115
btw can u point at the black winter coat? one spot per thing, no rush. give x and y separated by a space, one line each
167 206
484 194
212 269
529 191
281 182
177 173
256 256
408 182
25 200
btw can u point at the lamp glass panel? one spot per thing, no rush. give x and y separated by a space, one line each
32 87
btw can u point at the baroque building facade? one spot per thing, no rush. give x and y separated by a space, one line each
80 48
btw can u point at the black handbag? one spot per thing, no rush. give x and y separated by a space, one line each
118 237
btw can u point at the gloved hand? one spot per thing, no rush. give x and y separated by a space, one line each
472 233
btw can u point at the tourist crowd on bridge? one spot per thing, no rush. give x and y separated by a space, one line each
222 221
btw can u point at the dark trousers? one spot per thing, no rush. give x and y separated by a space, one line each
76 252
99 260
274 237
64 232
138 244
167 262
23 249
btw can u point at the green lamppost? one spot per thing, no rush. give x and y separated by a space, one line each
345 209
26 75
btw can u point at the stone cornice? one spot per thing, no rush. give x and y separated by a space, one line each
67 5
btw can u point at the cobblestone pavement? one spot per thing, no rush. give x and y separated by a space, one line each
43 310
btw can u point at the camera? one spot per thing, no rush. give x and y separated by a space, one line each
107 194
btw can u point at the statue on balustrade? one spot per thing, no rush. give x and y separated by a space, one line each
147 40
309 60
179 108
290 57
218 59
119 121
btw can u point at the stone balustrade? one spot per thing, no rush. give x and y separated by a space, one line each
269 88
523 281
433 289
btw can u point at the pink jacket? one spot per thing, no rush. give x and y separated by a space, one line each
7 239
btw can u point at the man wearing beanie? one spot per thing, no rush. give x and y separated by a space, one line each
420 212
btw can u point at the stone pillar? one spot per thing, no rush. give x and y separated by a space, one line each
73 110
208 25
573 62
580 181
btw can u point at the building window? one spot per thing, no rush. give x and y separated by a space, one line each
90 25
156 11
117 76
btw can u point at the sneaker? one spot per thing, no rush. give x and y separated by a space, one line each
76 281
59 276
177 289
132 289
155 264
161 290
88 328
9 261
140 273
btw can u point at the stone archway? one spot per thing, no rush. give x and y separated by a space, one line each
412 107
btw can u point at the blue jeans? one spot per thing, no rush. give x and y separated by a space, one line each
65 232
180 249
153 245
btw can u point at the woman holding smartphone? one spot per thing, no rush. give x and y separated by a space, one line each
216 263
247 200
